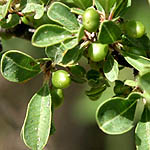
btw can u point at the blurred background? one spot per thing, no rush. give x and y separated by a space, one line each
76 128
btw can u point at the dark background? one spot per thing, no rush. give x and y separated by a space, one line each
76 128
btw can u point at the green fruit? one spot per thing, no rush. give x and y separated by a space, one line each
57 97
134 29
97 51
91 19
61 79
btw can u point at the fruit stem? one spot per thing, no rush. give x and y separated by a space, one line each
93 3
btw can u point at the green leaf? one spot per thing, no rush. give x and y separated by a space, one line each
96 92
34 1
99 6
70 43
36 9
77 11
144 82
83 4
11 21
138 62
37 124
131 83
111 69
48 35
72 56
61 14
116 115
4 9
140 43
107 5
121 7
109 32
142 132
80 33
18 67
55 52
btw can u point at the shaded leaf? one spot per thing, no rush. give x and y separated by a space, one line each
83 4
11 21
111 69
109 32
121 7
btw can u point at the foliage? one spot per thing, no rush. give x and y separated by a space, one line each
105 39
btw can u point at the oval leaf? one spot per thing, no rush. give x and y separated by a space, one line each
48 35
4 9
83 4
61 14
116 116
144 82
138 62
109 32
55 52
37 9
18 67
142 132
121 7
111 69
37 124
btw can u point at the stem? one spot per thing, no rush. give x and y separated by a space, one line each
93 3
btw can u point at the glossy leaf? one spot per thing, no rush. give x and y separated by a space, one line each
142 132
4 9
37 124
144 82
36 9
109 32
131 83
72 56
18 67
116 115
61 14
80 33
83 4
70 43
77 11
107 5
55 52
121 7
111 69
99 6
48 35
138 62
